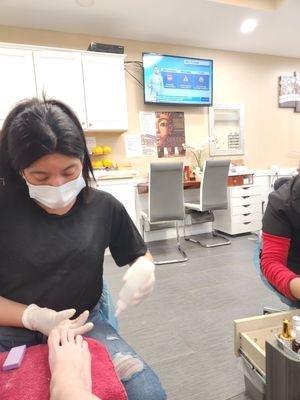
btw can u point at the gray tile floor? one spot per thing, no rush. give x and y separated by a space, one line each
184 330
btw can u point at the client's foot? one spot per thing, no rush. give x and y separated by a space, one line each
69 361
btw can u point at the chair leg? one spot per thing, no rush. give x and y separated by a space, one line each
209 245
183 228
181 251
226 240
143 227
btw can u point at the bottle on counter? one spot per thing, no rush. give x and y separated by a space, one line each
296 341
186 173
295 323
286 330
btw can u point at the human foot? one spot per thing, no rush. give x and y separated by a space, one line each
69 361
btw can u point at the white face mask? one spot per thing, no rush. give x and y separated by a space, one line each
57 196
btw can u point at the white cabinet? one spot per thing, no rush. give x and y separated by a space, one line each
17 80
92 84
105 93
122 190
244 212
59 76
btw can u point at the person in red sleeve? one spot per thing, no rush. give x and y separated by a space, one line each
280 255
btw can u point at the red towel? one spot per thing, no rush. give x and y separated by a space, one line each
31 381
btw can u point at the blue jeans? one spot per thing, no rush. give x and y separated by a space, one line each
142 385
107 308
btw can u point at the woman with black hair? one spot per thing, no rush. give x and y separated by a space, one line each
54 229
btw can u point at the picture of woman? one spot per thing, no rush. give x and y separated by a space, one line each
170 136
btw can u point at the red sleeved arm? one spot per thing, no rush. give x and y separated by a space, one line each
274 263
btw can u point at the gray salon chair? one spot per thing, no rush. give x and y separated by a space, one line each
212 196
165 202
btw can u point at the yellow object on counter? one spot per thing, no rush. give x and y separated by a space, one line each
106 150
97 164
98 150
107 162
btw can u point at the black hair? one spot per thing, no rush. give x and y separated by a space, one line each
35 128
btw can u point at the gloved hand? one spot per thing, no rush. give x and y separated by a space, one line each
139 282
44 320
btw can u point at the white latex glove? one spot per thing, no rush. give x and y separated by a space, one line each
44 320
139 282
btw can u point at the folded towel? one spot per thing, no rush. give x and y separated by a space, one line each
31 381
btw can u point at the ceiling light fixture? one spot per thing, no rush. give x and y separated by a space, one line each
85 3
248 25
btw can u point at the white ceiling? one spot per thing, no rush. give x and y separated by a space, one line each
188 22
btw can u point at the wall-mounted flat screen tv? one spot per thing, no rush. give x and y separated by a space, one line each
177 80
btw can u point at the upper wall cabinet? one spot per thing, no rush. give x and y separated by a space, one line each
92 84
17 80
59 76
105 94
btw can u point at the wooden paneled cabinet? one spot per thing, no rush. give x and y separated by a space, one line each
59 76
17 79
92 84
105 94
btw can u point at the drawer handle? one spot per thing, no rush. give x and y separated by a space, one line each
245 215
246 223
246 205
246 188
245 197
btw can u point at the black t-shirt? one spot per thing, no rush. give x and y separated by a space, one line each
57 261
282 218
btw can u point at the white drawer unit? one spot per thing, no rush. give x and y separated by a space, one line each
244 200
244 212
246 209
244 191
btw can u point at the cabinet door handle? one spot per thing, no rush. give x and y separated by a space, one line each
245 215
245 197
246 223
246 205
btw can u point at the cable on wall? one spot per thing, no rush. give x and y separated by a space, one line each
138 65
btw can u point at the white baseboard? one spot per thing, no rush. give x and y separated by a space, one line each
170 233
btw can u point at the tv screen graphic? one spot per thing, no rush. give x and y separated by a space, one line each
177 80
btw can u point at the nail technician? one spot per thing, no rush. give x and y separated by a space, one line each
54 229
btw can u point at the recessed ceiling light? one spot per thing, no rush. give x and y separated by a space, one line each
248 25
85 3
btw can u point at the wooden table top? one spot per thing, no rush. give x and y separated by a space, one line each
190 184
235 180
